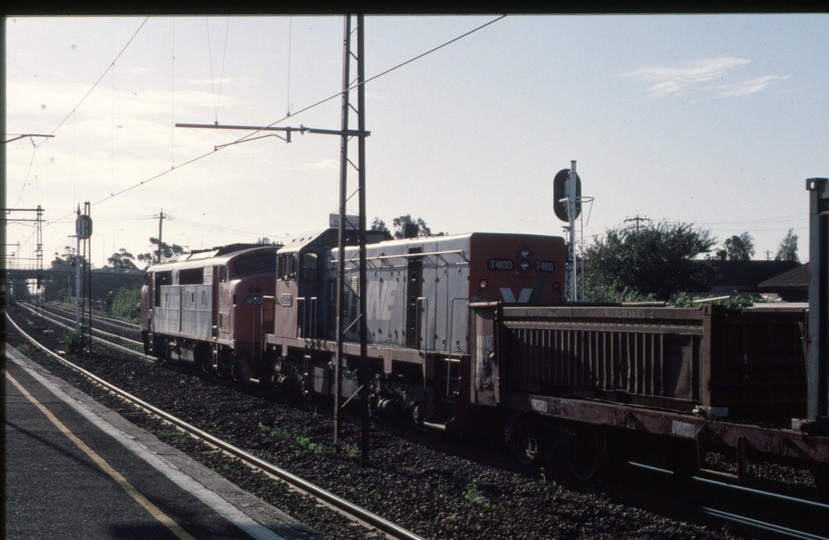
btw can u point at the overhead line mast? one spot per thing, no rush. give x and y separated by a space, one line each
346 135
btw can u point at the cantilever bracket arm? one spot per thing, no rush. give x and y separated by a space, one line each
27 135
301 129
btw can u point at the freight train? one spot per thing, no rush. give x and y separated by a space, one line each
473 332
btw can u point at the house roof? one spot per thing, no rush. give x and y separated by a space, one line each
796 278
747 275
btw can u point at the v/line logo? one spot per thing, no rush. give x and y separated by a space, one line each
506 294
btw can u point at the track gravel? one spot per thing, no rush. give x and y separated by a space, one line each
430 492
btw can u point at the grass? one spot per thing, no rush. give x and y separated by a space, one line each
305 442
275 431
351 450
476 497
170 435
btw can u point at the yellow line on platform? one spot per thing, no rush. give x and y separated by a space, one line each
120 480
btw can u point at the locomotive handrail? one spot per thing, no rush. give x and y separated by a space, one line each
407 255
309 313
418 319
452 326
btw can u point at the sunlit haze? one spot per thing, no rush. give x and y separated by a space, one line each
716 120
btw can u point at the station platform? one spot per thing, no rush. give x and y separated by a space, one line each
77 470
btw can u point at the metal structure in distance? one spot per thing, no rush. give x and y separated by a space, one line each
817 366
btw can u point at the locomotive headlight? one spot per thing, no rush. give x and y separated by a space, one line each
525 253
483 284
525 265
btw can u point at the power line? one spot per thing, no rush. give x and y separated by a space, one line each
338 94
100 78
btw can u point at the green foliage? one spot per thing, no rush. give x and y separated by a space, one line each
614 293
305 442
275 431
122 259
24 348
124 304
739 248
739 301
167 251
56 288
72 341
788 248
401 222
379 225
648 263
351 450
473 495
169 435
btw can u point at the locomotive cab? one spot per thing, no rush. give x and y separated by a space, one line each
301 295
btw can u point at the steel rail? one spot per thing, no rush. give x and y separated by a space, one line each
743 520
96 338
341 504
106 320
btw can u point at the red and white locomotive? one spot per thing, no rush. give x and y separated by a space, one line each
418 290
210 307
216 309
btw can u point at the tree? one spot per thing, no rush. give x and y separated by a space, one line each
401 222
67 259
58 287
788 248
652 262
167 251
122 259
739 248
379 225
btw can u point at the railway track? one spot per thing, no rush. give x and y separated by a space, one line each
133 346
100 318
346 508
706 513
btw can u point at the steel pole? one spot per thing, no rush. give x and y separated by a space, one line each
817 367
571 215
338 364
361 124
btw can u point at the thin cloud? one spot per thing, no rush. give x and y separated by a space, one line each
690 76
745 88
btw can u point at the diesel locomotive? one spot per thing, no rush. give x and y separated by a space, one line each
472 332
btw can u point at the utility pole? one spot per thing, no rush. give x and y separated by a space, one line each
160 221
345 134
571 214
637 219
38 249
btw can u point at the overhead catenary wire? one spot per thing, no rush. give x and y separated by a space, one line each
216 98
318 103
109 67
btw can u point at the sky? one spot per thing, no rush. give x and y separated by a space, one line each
716 120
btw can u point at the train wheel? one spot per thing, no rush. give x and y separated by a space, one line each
525 444
415 414
586 453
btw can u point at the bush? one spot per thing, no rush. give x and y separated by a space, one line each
124 304
72 341
737 301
